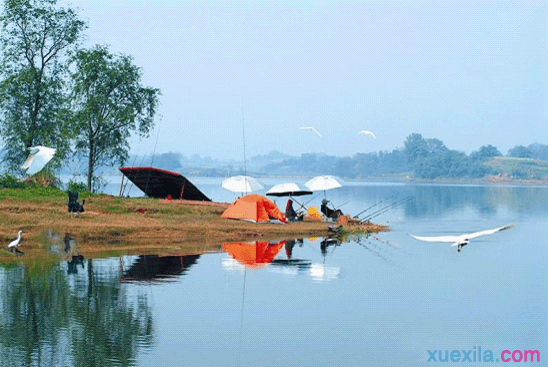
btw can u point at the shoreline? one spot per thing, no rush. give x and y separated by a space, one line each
114 226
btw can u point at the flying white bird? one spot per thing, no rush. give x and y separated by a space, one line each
311 128
38 158
463 239
15 243
365 132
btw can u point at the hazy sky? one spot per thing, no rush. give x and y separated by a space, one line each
468 73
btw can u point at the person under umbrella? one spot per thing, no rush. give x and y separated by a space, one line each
290 189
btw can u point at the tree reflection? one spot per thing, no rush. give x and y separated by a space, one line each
431 200
55 318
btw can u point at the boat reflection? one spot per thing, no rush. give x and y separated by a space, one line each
146 268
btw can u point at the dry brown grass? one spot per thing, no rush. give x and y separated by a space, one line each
113 225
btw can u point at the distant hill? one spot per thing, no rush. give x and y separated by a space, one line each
519 168
420 158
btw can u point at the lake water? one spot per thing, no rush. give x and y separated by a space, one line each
384 300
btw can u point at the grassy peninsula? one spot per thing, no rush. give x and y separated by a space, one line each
112 225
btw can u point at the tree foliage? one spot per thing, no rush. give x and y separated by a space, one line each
431 159
485 152
520 151
109 104
36 37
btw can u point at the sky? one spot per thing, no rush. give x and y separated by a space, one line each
251 73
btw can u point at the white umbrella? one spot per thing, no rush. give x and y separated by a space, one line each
38 158
287 189
323 183
242 184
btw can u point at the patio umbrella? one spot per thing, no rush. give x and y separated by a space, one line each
38 158
289 189
324 183
242 184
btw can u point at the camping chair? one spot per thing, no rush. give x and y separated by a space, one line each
74 207
332 214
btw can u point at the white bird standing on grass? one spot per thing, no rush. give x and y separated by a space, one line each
463 239
365 132
15 243
311 128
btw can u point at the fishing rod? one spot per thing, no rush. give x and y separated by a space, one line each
386 208
340 206
314 197
374 205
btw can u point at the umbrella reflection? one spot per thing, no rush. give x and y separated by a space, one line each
321 272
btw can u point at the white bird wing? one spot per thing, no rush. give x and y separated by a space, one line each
28 161
462 237
311 128
38 158
486 232
365 132
437 238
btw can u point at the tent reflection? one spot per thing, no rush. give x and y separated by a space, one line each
254 254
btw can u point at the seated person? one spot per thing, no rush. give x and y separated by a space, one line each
328 212
291 214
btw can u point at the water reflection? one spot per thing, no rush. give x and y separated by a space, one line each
431 200
254 254
258 254
49 318
157 268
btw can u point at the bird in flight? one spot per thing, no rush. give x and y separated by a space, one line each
13 244
38 158
463 239
365 132
311 128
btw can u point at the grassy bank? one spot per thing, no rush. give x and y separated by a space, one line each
112 225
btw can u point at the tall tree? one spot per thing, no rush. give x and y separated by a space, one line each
109 103
36 37
416 147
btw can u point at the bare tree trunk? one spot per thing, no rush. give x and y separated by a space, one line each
90 164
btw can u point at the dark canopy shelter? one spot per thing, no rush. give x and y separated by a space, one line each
159 183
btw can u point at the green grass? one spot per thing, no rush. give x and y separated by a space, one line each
32 194
37 194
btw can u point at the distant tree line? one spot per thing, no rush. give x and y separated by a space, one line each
420 158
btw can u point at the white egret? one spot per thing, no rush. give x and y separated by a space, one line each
15 243
365 132
463 239
38 158
311 128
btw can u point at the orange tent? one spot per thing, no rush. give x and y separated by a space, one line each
255 254
255 208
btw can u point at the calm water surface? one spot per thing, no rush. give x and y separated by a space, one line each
382 300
